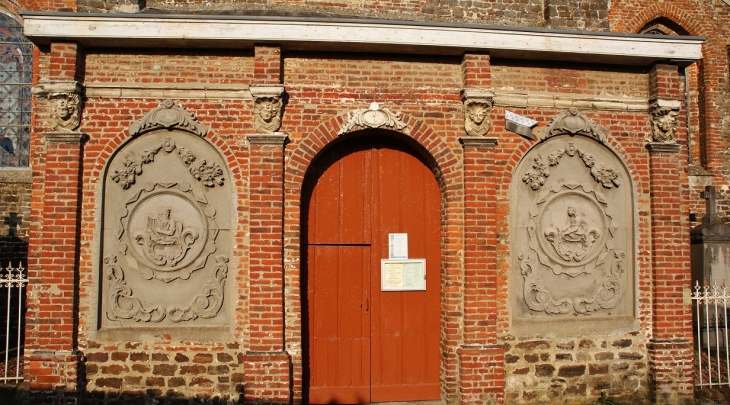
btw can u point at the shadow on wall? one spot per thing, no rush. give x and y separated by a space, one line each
13 250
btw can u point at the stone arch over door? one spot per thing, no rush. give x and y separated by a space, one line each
167 214
572 223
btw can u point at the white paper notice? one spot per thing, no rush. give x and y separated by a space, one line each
398 245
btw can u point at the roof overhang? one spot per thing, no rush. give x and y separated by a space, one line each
356 35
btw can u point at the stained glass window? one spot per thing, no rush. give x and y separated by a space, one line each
16 73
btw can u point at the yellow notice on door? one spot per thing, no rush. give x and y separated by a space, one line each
403 275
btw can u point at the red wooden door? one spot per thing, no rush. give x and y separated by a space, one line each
366 345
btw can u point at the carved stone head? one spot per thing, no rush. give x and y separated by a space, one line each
477 109
663 123
267 111
66 111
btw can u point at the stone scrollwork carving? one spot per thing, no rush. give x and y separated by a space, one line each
168 116
573 233
66 109
664 120
477 108
573 122
606 175
209 174
268 105
166 240
122 305
167 231
209 302
373 117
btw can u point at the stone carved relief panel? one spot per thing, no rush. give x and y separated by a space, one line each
167 229
572 224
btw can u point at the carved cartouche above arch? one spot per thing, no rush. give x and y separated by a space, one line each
372 117
573 122
169 116
572 221
167 220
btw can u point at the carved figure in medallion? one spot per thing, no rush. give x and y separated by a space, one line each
663 123
267 112
166 241
66 111
477 121
573 240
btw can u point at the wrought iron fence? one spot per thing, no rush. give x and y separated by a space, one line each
712 356
13 282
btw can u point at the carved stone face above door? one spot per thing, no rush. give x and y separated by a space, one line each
572 226
167 221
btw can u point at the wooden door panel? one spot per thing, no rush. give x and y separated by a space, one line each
405 359
339 211
366 344
339 342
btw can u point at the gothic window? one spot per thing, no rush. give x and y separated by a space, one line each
16 72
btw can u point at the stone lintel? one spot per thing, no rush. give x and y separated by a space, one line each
44 89
266 90
475 142
477 94
662 147
667 103
16 175
277 138
65 137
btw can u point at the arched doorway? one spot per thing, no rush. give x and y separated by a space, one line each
364 344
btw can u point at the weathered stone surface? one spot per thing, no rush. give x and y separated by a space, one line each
203 358
109 382
522 370
155 382
120 356
510 358
224 357
139 356
160 357
565 345
201 381
181 358
176 382
98 357
533 345
164 369
544 370
622 343
594 369
572 371
563 357
603 356
193 369
531 357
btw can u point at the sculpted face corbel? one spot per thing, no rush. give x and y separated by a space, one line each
66 103
268 105
664 119
477 109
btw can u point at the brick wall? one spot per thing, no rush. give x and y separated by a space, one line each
251 362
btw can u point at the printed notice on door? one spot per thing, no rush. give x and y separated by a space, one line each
403 275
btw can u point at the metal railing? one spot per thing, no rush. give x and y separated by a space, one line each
712 356
13 282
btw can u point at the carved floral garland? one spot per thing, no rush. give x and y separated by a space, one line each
535 177
122 305
538 298
207 173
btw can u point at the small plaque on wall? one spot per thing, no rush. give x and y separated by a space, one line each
403 274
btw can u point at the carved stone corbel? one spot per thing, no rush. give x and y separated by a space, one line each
268 103
477 108
664 119
67 100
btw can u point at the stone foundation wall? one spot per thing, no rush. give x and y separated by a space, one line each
576 368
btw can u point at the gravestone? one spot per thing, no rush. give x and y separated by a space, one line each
711 245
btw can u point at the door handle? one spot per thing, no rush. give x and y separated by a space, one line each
367 303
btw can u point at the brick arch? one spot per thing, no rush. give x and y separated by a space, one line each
308 149
682 18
